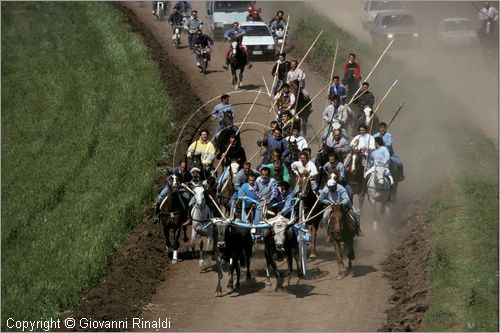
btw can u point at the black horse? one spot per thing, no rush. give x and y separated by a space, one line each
237 61
173 213
303 106
221 139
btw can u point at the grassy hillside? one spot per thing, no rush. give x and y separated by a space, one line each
83 119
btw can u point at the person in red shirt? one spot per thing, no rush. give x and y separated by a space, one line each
352 75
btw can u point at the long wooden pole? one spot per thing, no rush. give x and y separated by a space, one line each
354 97
309 50
305 106
400 107
333 70
379 104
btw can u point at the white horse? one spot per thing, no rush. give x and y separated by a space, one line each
201 216
378 188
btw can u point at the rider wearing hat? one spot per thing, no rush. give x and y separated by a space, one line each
253 15
336 193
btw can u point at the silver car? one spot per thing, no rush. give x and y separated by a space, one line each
457 31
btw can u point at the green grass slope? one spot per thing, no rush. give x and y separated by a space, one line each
84 116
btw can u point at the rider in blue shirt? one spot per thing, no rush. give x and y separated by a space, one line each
234 32
387 137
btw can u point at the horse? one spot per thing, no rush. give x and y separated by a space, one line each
308 204
237 61
234 246
341 229
227 188
378 188
173 212
221 138
355 168
303 106
201 216
367 118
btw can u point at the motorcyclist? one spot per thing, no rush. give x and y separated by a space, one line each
253 15
202 41
193 23
280 14
183 6
175 18
277 24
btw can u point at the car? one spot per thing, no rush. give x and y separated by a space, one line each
457 31
258 40
372 8
222 14
395 24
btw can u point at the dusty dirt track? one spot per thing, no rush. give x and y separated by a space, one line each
317 303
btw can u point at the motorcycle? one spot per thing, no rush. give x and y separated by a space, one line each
160 11
176 34
203 55
279 35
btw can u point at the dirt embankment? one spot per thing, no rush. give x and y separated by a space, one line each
139 266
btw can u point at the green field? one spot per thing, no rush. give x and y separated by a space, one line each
462 209
84 118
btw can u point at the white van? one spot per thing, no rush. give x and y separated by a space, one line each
222 14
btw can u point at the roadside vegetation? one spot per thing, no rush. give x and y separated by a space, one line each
462 211
84 117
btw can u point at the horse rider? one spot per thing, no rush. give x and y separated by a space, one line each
235 153
183 6
297 74
236 34
337 143
286 199
220 110
266 190
363 99
193 23
362 144
285 124
336 193
206 150
285 99
304 164
253 15
298 138
280 70
183 176
352 72
274 143
335 165
379 157
280 15
366 97
387 137
337 89
329 117
279 171
203 42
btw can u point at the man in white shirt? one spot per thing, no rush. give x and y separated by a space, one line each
303 164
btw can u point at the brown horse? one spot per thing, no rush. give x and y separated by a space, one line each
308 204
341 229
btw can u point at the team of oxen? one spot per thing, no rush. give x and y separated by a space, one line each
225 232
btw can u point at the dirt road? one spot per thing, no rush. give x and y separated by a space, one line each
319 302
356 303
